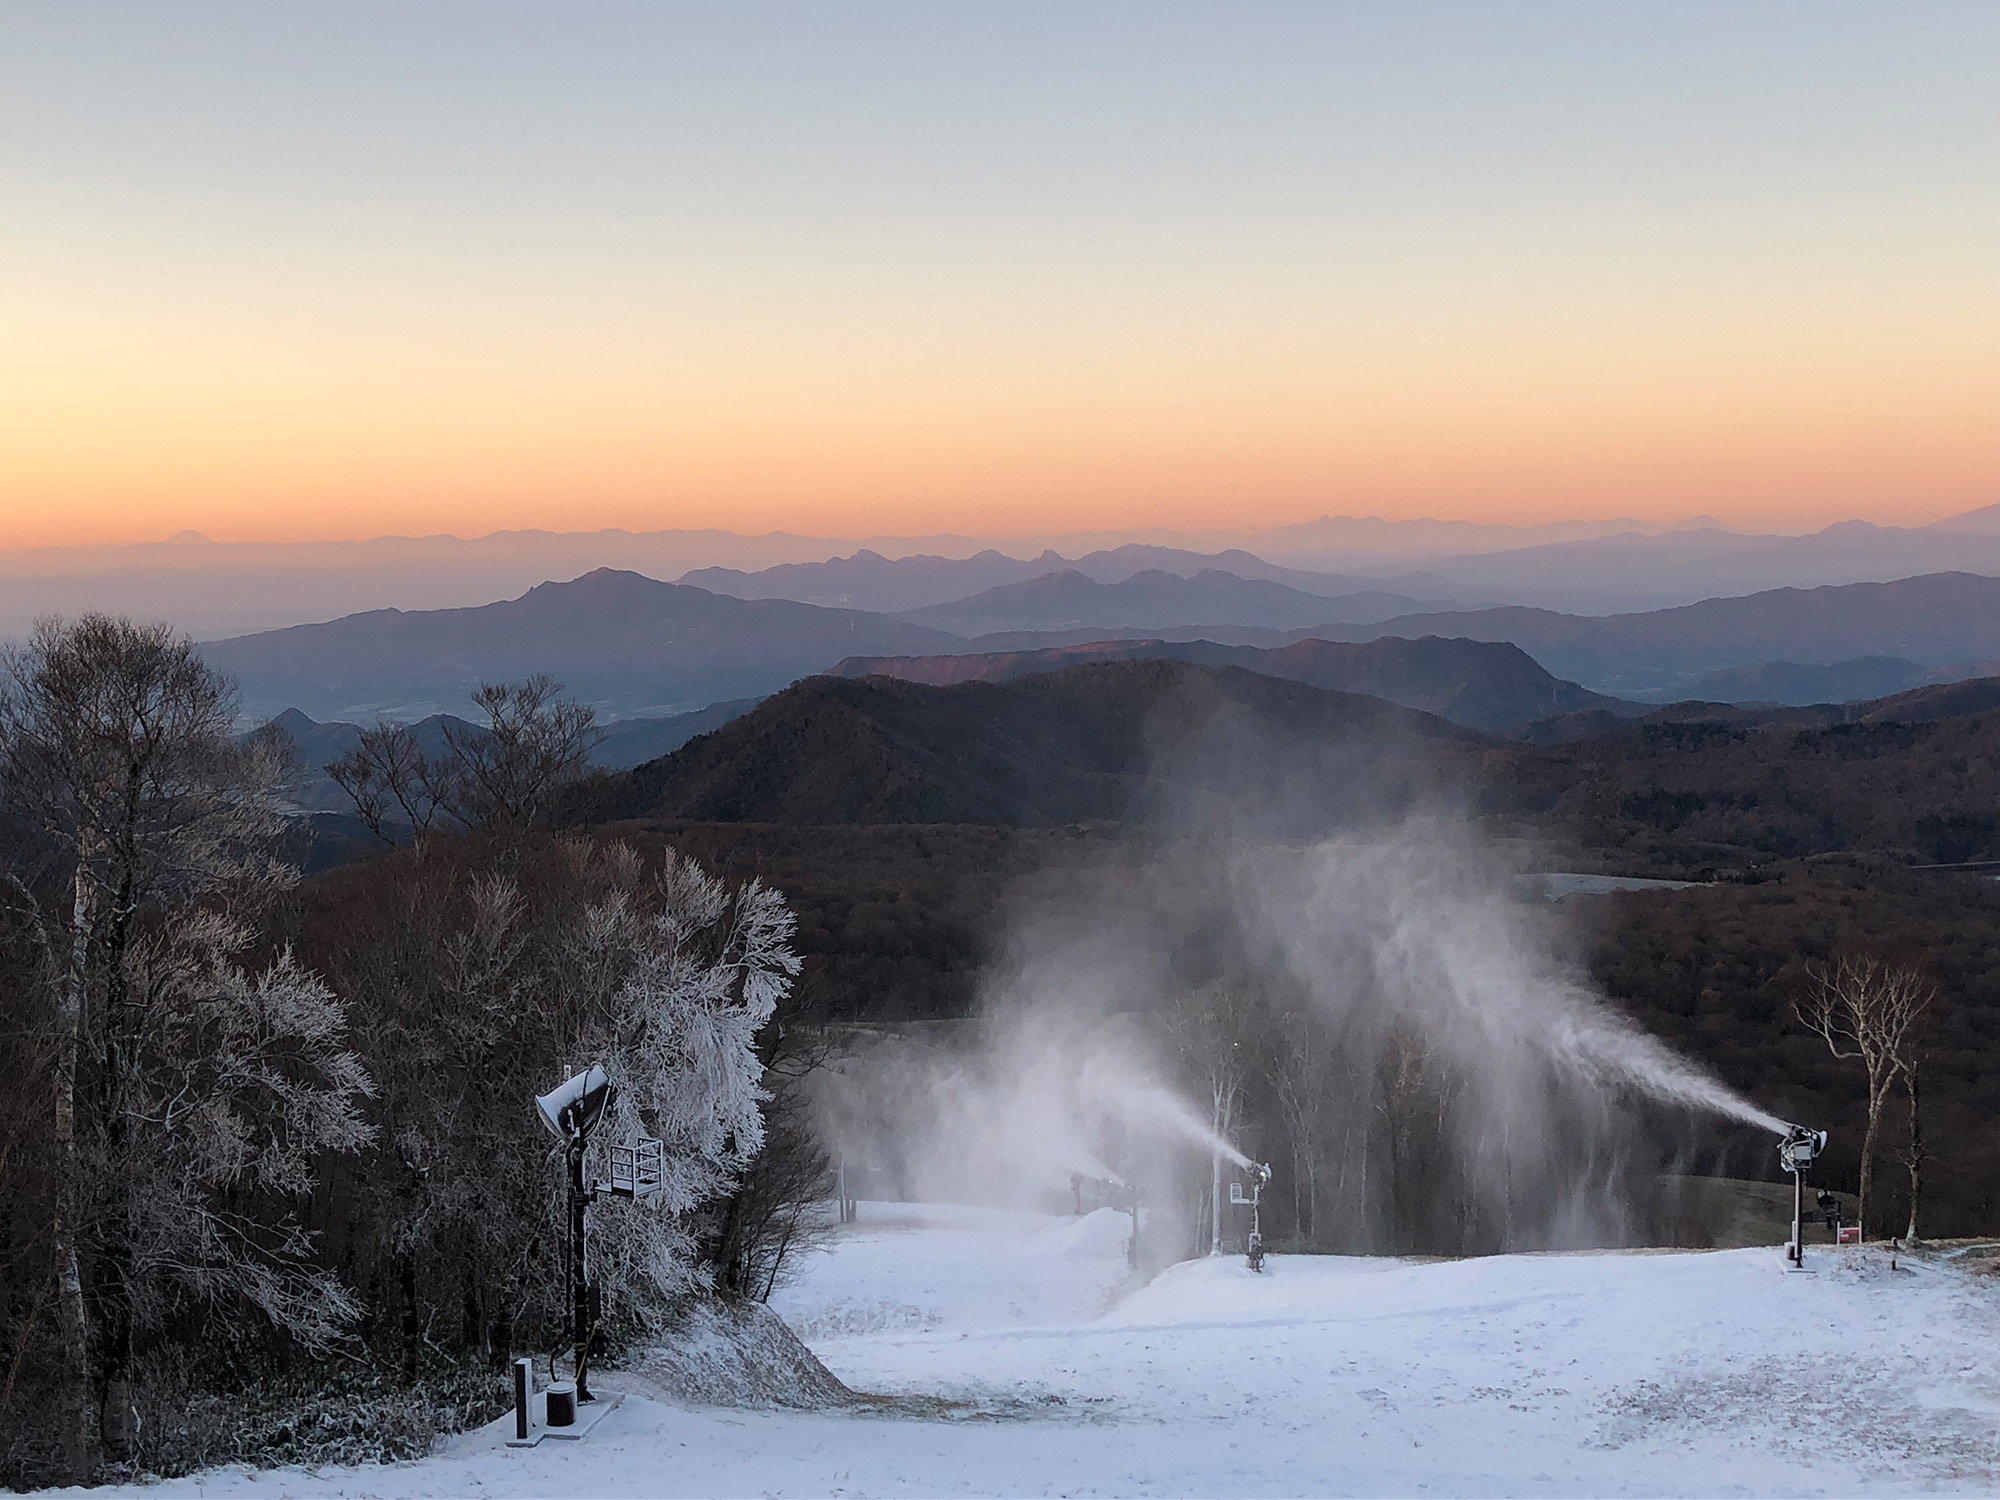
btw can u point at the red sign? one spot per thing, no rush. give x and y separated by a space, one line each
1850 1234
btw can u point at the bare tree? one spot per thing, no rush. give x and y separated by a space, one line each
1216 1035
116 751
1867 1009
773 1218
1302 1080
534 744
502 777
388 773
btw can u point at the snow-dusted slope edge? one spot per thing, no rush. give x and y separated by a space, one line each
1648 1374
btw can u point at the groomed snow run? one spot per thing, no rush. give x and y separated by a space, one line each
1005 1355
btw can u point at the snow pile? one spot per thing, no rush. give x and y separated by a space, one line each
718 1353
1099 1235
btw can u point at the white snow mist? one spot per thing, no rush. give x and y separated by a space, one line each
1368 1001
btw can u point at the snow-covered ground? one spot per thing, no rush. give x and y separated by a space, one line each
1013 1359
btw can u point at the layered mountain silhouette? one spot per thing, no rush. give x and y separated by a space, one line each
1153 600
630 644
1644 571
1489 685
1101 741
868 580
1597 567
1934 620
1790 682
639 648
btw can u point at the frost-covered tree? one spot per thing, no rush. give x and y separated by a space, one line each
481 973
188 1094
708 967
235 1079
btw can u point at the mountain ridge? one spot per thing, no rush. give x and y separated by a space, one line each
1152 599
1486 685
1934 619
1046 750
633 645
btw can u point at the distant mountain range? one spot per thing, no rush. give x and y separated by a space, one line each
1634 571
1155 600
1790 682
639 648
632 645
1583 568
1936 620
868 580
218 589
1479 684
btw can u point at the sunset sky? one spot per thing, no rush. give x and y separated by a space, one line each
289 272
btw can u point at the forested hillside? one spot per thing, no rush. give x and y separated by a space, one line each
1092 742
1917 775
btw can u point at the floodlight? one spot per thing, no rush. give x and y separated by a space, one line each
572 1108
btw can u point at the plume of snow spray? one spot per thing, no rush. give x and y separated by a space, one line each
1425 928
1443 1080
1141 1100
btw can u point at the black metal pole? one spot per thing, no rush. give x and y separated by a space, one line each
523 1380
1798 1218
579 1289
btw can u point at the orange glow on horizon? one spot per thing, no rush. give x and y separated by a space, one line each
999 272
246 419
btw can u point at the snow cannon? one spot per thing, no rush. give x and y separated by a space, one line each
1796 1154
1799 1147
571 1111
573 1107
1253 1244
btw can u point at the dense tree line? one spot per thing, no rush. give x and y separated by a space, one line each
1685 796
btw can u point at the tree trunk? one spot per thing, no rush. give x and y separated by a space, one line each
412 1325
112 1282
118 1421
1215 1177
1916 1153
1868 1160
501 1343
81 1436
472 1308
1215 1203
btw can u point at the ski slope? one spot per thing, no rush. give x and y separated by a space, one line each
1009 1357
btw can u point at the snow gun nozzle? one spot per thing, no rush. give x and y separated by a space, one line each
1800 1145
